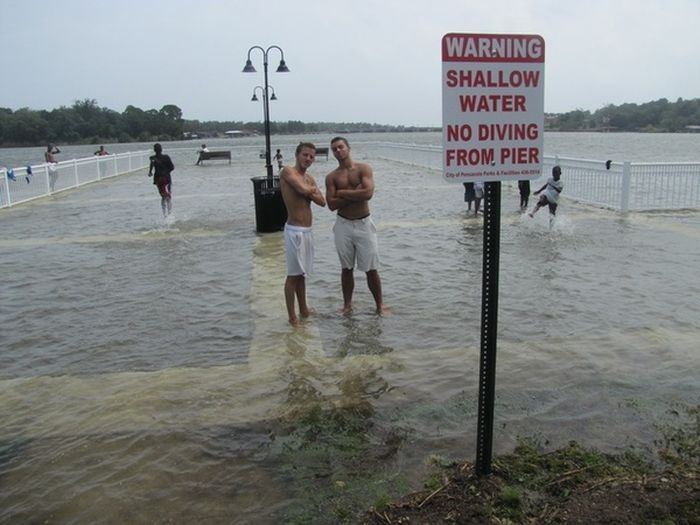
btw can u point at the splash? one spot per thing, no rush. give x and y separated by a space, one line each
543 222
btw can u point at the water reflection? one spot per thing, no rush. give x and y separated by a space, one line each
339 367
362 336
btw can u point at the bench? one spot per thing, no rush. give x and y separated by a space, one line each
207 155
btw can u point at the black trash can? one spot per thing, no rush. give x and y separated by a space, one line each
270 211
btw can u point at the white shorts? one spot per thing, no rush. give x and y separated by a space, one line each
356 241
299 248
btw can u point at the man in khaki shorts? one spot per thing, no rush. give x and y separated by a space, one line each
348 190
299 189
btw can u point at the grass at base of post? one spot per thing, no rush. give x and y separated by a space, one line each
569 485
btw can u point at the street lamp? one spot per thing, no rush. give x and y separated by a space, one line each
266 115
282 68
255 98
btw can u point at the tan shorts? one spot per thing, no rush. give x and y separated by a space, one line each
356 242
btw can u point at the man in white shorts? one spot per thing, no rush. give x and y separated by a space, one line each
299 189
348 190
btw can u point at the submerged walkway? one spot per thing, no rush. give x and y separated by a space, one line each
149 373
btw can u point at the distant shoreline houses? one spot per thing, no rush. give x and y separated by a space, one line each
240 133
237 133
232 134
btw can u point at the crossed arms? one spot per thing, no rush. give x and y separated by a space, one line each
304 185
341 198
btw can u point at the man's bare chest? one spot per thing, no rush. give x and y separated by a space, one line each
349 180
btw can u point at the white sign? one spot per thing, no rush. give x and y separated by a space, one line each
492 107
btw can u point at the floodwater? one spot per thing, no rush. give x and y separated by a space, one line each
148 373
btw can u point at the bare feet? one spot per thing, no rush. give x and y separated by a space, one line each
307 313
294 321
346 310
383 310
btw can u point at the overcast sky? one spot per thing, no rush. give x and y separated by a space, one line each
351 61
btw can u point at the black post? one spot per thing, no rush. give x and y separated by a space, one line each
266 102
489 325
270 211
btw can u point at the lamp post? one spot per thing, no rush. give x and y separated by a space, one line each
254 98
282 68
266 109
266 115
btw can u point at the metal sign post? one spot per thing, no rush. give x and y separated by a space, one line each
493 131
489 325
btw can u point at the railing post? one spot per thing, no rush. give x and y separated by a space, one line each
625 189
75 171
7 187
48 180
130 156
116 166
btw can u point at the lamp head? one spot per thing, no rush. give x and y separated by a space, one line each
282 68
255 98
248 67
273 97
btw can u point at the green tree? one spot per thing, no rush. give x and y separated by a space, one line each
27 127
171 122
134 121
573 120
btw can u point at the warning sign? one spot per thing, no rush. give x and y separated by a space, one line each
492 107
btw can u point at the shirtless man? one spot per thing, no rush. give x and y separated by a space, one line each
160 169
52 150
299 189
348 190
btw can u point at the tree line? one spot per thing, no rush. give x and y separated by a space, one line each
656 116
86 122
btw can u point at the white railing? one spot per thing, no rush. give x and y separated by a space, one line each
625 186
23 184
656 186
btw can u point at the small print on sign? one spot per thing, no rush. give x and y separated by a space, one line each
492 107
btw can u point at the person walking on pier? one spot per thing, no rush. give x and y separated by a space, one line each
478 195
524 188
52 150
278 157
102 152
469 194
552 188
160 168
348 190
299 190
